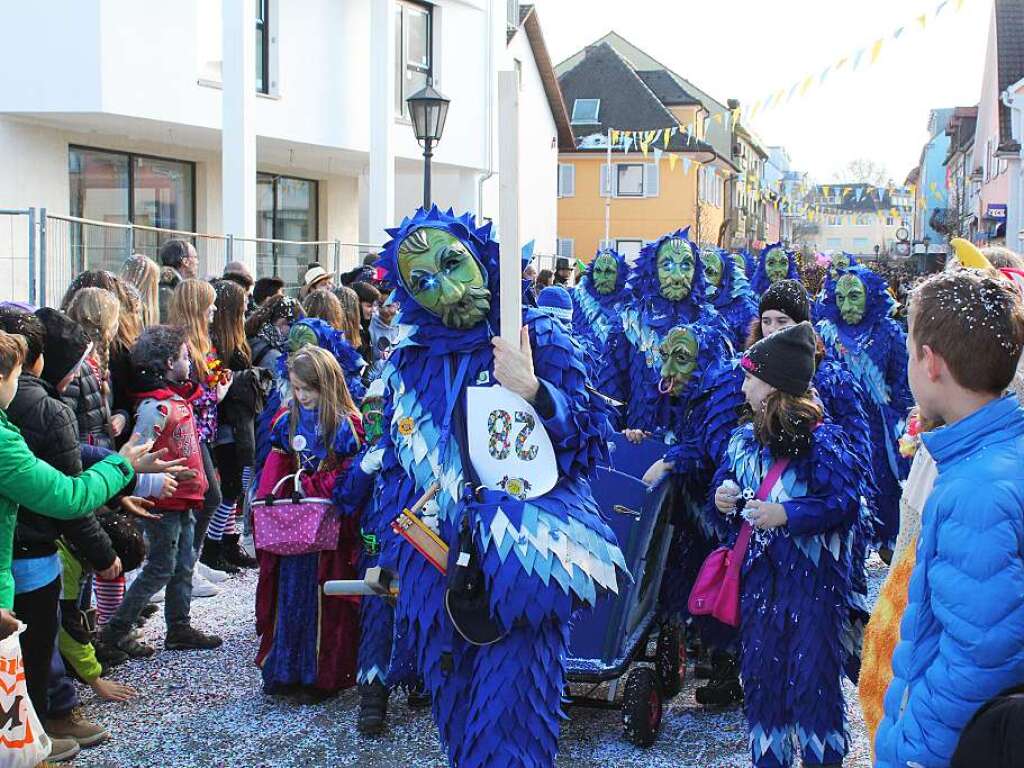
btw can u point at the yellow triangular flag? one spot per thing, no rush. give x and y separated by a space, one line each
664 139
753 110
842 62
959 4
826 190
614 137
876 49
922 20
805 85
673 158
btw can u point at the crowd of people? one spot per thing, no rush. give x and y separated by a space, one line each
160 432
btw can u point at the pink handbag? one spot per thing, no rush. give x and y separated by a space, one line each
296 525
716 592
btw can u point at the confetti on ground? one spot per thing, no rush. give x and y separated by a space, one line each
205 710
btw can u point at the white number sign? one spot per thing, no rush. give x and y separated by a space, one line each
508 444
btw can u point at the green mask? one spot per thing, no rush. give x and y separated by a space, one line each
373 418
678 360
606 273
440 272
675 269
776 265
841 261
301 336
713 268
851 299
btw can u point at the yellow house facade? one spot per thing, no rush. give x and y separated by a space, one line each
669 163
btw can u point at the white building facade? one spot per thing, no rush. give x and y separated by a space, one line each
260 119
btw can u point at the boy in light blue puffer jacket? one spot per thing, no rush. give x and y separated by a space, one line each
962 635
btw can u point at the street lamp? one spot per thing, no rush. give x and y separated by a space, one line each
428 110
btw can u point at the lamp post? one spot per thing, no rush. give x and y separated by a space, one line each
428 110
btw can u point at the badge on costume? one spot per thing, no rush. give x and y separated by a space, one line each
508 445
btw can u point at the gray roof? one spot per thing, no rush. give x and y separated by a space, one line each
666 88
627 101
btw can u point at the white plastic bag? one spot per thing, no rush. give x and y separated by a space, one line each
23 743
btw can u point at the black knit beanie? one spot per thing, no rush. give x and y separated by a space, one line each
65 344
785 359
787 297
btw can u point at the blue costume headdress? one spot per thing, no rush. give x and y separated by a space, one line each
759 282
879 302
334 341
596 314
482 247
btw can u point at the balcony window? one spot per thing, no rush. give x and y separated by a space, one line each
414 67
286 209
122 188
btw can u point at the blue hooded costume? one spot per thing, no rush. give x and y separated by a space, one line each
734 299
596 315
542 559
819 300
631 372
794 596
875 352
760 282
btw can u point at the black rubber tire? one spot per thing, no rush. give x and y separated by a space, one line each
642 707
670 660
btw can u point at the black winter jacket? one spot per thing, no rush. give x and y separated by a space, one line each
86 400
50 430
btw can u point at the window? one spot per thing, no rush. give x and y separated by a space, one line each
863 220
834 244
584 111
262 47
566 180
414 67
518 66
286 209
629 249
566 248
860 245
512 15
629 180
122 188
890 221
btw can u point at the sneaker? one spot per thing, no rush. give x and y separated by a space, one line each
201 587
74 726
212 575
63 750
188 638
130 643
158 597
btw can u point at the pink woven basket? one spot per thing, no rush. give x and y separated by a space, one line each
297 525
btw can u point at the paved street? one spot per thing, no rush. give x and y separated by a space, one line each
205 710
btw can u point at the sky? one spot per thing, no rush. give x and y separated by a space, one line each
750 49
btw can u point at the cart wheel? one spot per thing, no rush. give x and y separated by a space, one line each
670 659
641 707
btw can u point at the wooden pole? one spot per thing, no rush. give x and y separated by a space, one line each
511 270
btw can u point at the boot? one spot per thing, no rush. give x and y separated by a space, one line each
213 557
702 669
373 708
418 697
74 726
233 553
723 689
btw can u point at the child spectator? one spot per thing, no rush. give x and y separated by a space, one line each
351 314
266 288
234 449
308 641
161 362
47 491
324 305
193 307
97 311
267 329
960 638
796 573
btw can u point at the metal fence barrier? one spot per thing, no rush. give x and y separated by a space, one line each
18 276
41 253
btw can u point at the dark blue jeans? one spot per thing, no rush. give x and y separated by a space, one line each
61 695
169 564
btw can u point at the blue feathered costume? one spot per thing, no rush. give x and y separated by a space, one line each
760 282
632 365
794 597
596 315
542 559
819 299
734 299
874 350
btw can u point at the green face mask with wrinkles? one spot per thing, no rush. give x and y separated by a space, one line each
851 298
606 273
440 272
676 264
776 265
679 353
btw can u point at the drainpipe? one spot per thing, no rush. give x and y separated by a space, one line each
490 112
1017 129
